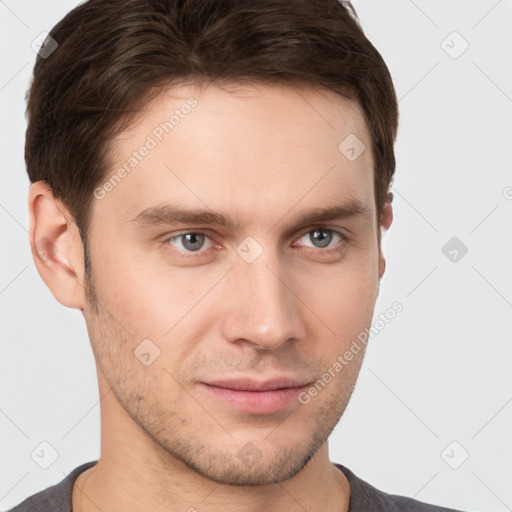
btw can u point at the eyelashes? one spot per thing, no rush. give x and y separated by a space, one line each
192 243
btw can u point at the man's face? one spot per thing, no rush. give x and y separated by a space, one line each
268 297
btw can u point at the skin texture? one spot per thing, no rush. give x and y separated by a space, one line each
262 155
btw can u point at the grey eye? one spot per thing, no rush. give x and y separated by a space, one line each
321 238
189 241
192 241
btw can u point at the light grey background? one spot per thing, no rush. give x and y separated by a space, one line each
438 373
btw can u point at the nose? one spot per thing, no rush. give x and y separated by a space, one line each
262 310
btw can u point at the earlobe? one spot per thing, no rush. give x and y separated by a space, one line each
386 220
56 246
387 215
382 264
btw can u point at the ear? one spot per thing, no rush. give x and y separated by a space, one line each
386 220
56 246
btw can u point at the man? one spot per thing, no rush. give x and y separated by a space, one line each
210 180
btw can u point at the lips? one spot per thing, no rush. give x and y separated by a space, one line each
254 385
257 397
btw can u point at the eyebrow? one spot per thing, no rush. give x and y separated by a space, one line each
167 213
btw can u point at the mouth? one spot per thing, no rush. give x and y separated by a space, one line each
257 397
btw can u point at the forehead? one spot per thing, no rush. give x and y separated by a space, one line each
254 148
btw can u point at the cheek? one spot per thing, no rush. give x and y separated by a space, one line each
150 297
160 303
343 297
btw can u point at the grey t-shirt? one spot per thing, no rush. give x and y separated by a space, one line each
363 497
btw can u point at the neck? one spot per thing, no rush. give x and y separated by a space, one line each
135 473
132 486
320 486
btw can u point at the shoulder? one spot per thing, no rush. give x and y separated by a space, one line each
56 498
366 498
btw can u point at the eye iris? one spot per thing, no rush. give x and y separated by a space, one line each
190 241
320 236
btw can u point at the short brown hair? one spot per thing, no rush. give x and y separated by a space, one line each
112 53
